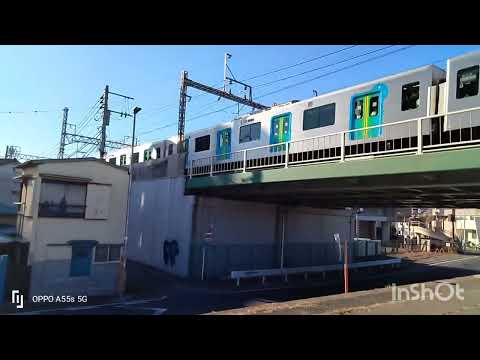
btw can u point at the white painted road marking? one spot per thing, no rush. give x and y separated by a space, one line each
449 261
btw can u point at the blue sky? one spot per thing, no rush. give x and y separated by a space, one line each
49 78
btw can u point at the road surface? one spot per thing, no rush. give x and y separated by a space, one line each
171 297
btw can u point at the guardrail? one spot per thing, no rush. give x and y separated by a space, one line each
263 273
406 136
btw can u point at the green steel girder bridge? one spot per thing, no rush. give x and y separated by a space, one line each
423 169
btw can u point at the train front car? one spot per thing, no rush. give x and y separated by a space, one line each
462 101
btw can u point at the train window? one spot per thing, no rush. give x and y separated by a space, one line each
410 96
374 106
170 149
123 160
113 161
467 82
319 117
135 158
202 143
147 154
249 132
159 152
358 108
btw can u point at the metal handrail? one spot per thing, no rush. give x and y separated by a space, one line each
287 144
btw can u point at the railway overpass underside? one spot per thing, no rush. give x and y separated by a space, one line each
286 217
447 179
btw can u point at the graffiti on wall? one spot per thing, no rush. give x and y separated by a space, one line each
170 251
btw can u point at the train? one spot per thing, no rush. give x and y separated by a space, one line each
371 118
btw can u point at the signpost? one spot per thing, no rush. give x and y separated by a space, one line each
208 238
345 258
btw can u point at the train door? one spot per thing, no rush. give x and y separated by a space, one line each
366 111
280 131
224 144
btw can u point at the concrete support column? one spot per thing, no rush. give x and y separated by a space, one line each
386 232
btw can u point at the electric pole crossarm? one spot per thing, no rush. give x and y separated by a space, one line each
124 96
225 95
94 141
121 113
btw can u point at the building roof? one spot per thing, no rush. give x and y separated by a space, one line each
32 163
8 161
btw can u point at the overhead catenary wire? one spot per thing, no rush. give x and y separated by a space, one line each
322 67
311 70
299 63
283 88
335 71
282 68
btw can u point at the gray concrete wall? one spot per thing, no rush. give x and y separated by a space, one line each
244 237
247 236
160 212
310 236
52 277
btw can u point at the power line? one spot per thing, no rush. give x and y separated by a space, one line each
175 106
300 63
322 67
26 112
287 87
336 71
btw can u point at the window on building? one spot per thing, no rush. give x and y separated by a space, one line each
147 154
159 152
123 160
467 82
107 253
81 260
170 149
135 158
411 96
250 132
101 253
319 117
114 253
202 143
62 199
113 160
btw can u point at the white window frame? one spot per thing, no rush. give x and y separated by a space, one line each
108 254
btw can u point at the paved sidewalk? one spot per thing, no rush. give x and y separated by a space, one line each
378 302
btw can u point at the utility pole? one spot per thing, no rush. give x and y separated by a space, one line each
181 111
105 123
15 152
226 88
100 139
185 82
61 151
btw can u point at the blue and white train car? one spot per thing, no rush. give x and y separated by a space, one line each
144 152
314 126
